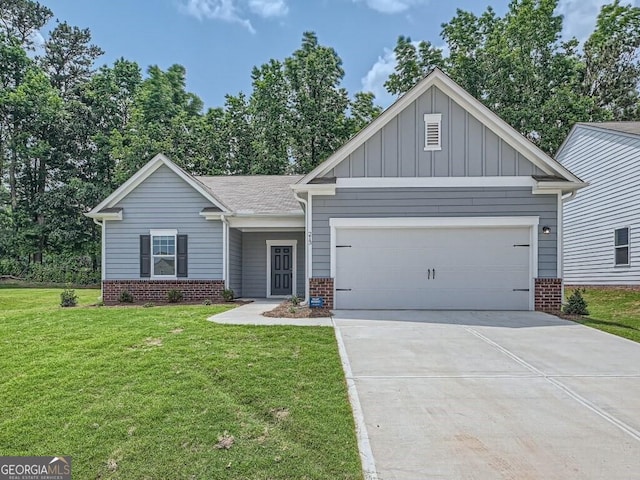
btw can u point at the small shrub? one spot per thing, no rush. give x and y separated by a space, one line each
68 298
228 295
576 304
125 297
295 300
149 305
174 296
206 301
292 309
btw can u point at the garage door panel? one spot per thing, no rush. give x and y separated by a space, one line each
475 268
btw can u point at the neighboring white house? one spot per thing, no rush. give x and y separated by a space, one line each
602 224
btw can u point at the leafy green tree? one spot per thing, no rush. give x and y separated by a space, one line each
414 62
612 70
363 111
318 103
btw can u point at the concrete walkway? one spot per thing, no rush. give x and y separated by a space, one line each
251 314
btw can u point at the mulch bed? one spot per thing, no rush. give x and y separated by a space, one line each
288 310
164 303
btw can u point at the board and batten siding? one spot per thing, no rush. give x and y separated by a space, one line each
469 148
610 162
434 202
235 261
254 261
163 201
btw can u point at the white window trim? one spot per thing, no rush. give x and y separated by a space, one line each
627 246
164 233
432 118
444 222
294 265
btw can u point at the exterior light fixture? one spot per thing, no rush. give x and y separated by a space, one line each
546 230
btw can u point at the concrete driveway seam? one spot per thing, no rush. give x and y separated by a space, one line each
364 445
626 428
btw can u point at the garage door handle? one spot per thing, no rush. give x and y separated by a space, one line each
520 289
428 274
343 289
434 273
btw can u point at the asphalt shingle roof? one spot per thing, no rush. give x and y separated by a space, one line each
255 194
624 127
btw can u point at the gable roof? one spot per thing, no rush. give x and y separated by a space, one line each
622 127
141 175
443 82
241 194
255 194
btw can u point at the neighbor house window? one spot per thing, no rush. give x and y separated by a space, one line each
433 131
163 253
622 246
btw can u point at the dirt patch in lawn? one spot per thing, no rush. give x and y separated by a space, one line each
288 310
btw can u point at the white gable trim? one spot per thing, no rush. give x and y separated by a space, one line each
450 88
145 172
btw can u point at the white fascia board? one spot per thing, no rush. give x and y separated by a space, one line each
266 222
104 216
554 187
213 215
434 182
315 188
433 222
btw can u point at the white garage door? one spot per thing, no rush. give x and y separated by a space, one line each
433 268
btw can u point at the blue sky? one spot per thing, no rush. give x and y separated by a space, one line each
219 41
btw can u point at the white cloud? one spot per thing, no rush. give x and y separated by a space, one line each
269 8
579 17
374 80
232 10
392 6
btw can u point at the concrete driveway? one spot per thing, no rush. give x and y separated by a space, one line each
494 395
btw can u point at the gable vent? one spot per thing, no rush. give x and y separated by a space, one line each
433 131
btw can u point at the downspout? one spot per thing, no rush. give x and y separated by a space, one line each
307 241
102 255
225 251
563 198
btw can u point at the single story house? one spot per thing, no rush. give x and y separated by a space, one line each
602 224
437 204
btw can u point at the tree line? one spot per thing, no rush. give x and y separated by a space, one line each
70 133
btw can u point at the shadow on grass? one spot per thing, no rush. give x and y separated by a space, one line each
595 321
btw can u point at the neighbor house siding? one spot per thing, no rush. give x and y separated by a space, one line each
254 261
469 149
610 162
163 201
235 261
434 202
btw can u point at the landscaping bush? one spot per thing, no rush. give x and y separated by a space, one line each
174 296
228 295
125 297
576 304
295 300
68 298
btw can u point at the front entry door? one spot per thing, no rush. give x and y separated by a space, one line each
281 272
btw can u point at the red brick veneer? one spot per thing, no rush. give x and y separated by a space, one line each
322 287
548 294
156 290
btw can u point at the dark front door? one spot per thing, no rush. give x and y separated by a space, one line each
281 270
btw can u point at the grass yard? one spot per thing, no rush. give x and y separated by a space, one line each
613 311
154 393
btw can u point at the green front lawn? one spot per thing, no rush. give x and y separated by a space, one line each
613 311
149 393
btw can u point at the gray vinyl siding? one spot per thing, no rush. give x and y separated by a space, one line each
254 261
163 201
469 148
235 261
610 162
434 202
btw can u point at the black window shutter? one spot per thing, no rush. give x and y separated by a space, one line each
145 256
182 250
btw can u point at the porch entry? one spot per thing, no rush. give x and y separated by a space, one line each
281 270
